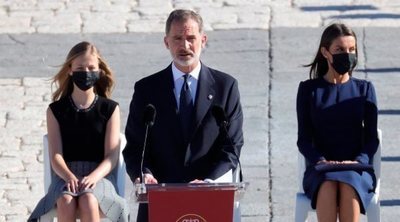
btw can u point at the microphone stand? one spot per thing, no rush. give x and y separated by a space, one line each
142 187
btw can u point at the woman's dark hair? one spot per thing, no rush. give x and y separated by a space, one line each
319 67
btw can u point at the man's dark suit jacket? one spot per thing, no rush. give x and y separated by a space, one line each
209 154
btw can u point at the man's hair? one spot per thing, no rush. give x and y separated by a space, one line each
182 15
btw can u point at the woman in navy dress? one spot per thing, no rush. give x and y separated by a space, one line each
337 129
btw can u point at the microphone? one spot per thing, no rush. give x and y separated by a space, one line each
222 121
148 119
149 115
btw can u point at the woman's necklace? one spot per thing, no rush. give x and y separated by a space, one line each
83 107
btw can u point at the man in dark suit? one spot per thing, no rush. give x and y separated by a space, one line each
185 144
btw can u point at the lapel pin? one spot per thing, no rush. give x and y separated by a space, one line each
210 97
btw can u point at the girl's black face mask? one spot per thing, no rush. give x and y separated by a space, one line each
343 62
85 80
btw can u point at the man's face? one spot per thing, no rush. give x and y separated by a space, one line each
185 43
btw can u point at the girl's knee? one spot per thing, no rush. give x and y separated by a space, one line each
66 206
87 201
66 200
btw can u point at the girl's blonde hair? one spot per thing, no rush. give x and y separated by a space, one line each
63 81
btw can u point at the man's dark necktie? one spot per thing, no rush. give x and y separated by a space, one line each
186 108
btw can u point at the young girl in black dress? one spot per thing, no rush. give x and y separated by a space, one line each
83 127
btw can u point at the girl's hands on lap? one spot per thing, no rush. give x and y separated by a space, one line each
72 184
88 182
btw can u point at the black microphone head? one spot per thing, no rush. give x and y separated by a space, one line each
149 115
219 115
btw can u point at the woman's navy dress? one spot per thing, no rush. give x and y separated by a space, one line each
337 122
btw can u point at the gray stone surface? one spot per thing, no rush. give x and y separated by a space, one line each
262 43
123 16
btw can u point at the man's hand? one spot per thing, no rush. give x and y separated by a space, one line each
197 181
148 179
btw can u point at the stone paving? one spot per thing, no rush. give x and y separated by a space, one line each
122 16
21 171
255 35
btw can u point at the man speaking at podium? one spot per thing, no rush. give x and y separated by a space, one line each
185 122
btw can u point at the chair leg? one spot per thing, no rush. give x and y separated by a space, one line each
374 211
236 212
302 207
